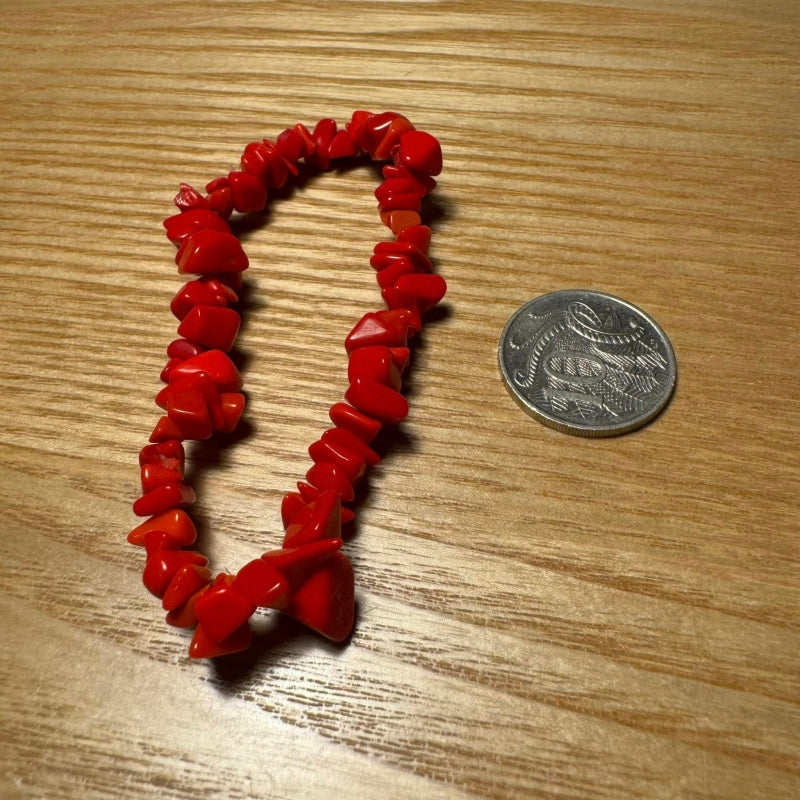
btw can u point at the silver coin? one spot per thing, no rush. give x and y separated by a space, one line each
587 363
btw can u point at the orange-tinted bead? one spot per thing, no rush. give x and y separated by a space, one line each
176 522
398 220
211 326
204 646
326 601
164 498
187 581
209 251
377 401
419 151
345 416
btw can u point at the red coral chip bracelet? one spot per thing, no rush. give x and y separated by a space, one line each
309 579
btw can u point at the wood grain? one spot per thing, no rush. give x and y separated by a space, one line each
540 616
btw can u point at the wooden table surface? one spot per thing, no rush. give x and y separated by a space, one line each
539 615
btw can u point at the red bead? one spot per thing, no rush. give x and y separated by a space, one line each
327 476
223 609
221 202
249 193
164 498
174 522
398 220
400 202
297 564
210 251
308 492
393 186
204 291
156 541
388 275
188 580
308 140
188 198
165 373
376 128
188 409
181 349
232 407
377 401
324 131
216 365
427 290
342 146
387 252
154 475
290 145
391 138
262 584
425 182
291 505
362 426
319 520
183 616
348 461
181 226
419 235
169 454
374 362
355 128
419 151
326 601
390 328
165 430
199 382
204 646
351 441
162 565
213 327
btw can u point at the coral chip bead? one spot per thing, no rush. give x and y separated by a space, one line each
214 363
390 328
419 151
209 251
187 581
162 565
204 646
351 419
297 564
223 608
374 362
169 454
326 601
324 475
176 522
188 409
378 401
164 498
343 458
262 584
181 226
213 327
249 193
